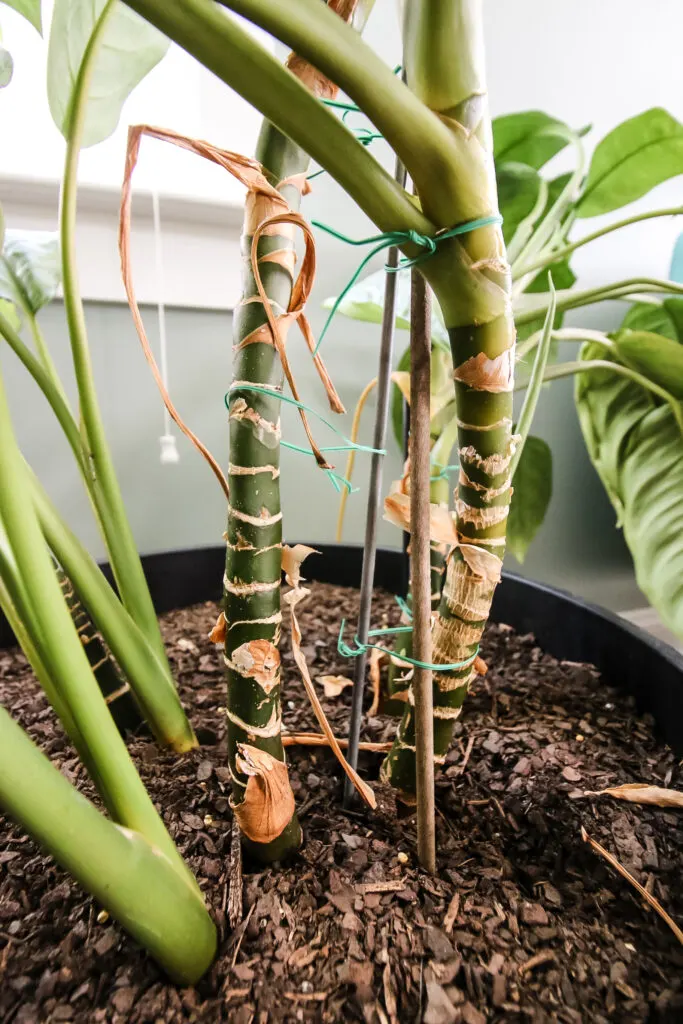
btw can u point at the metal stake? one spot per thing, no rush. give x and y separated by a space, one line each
374 497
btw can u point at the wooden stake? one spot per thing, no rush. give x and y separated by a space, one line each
420 372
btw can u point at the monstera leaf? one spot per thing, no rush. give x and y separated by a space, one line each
30 268
530 137
636 446
532 491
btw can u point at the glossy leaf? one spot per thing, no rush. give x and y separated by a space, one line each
531 137
30 9
637 450
129 49
533 489
637 155
519 188
658 358
30 268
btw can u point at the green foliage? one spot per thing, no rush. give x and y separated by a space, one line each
533 487
665 319
30 9
519 189
637 155
637 449
129 49
30 268
658 358
531 137
6 67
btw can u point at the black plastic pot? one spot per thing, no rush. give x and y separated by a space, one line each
565 626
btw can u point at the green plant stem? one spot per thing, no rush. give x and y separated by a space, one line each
580 366
44 352
563 334
567 250
156 694
135 881
225 48
535 383
125 560
617 290
123 790
473 287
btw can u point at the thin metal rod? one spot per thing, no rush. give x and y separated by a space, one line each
373 506
420 568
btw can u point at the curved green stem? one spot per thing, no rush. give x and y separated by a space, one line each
231 53
123 553
147 676
567 250
617 290
535 384
563 334
44 353
580 366
133 879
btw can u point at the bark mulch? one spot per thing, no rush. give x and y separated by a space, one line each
523 922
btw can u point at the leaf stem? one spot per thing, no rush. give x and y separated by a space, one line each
535 381
617 290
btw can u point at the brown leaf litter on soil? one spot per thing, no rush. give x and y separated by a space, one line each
523 921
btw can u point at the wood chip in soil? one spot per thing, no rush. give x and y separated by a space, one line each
541 930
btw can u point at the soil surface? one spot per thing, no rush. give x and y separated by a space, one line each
522 922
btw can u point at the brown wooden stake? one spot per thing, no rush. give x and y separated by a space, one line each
420 572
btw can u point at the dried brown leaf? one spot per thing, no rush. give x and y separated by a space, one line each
441 523
258 660
641 793
374 668
268 804
292 557
217 634
334 685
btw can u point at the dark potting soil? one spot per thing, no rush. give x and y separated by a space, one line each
523 921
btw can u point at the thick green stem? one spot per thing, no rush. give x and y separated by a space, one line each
123 790
124 556
478 314
137 883
225 48
155 693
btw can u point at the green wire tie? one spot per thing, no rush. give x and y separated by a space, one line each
443 472
355 652
337 481
385 241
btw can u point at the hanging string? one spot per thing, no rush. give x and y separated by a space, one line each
337 481
169 451
385 240
354 652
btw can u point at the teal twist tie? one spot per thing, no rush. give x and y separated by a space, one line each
355 652
428 243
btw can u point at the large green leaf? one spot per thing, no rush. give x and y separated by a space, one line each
129 49
637 155
519 189
30 268
531 137
658 358
532 490
637 450
30 9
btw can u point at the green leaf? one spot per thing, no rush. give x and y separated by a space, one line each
30 268
30 9
6 67
674 310
129 49
637 450
530 137
533 488
637 155
646 316
519 188
562 274
658 358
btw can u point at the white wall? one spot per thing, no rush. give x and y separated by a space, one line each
580 60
